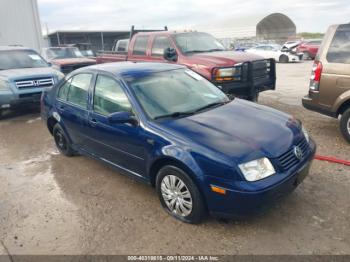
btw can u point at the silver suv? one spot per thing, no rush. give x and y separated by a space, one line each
23 76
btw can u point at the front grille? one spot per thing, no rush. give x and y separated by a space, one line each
69 68
288 159
261 69
33 83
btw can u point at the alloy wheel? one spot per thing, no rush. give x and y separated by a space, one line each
176 195
60 140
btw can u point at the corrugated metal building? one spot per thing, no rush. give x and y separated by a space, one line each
20 23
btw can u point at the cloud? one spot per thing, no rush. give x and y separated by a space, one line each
226 16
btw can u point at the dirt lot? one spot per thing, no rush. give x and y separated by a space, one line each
50 204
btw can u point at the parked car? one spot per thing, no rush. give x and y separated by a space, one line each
292 47
329 92
309 48
121 46
245 46
168 126
23 76
276 52
66 59
235 73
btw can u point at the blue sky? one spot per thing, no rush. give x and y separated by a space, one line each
221 17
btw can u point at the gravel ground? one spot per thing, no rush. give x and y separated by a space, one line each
50 204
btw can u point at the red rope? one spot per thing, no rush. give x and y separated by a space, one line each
333 160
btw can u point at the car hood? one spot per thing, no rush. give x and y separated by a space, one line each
240 130
225 58
23 73
73 61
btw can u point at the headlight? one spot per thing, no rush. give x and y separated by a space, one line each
228 74
306 134
59 76
257 169
4 86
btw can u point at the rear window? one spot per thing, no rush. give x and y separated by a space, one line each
339 50
140 46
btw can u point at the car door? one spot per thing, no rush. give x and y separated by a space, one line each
71 105
120 144
139 51
160 42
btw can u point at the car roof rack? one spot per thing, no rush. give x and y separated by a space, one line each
134 31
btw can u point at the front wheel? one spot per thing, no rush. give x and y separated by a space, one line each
283 59
179 195
345 125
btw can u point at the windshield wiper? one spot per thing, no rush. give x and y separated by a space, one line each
196 51
175 115
215 104
215 49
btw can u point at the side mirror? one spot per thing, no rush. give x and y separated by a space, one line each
49 63
122 118
170 54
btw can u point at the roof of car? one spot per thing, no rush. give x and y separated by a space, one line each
8 48
132 69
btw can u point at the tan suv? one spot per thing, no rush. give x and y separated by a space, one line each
329 91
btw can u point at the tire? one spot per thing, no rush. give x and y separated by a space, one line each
345 125
168 185
283 59
62 141
254 97
306 56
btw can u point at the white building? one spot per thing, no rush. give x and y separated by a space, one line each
20 23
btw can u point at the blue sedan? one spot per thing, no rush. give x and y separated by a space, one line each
171 128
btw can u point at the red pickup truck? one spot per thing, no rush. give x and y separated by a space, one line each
235 73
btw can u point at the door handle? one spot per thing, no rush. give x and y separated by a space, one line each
61 107
93 122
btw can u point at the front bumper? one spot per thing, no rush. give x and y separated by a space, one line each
250 200
11 100
255 79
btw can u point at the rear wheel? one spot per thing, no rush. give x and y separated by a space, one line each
61 140
345 125
283 59
179 195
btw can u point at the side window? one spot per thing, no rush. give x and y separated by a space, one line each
64 89
109 96
140 45
79 88
159 44
339 50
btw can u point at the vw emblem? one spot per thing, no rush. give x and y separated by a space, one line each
298 153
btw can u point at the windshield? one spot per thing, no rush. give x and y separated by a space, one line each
63 52
197 42
13 59
175 93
